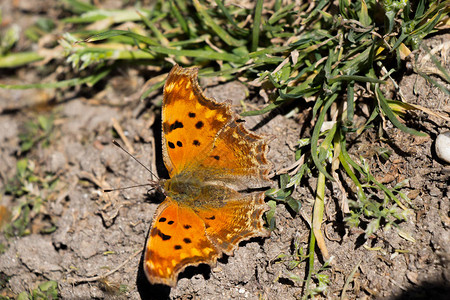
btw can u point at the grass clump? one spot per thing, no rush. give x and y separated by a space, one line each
29 187
46 291
34 133
30 190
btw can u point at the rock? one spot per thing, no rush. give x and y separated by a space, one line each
442 146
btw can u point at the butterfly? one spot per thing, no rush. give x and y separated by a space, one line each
210 157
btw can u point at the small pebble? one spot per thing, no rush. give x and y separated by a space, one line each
56 162
443 146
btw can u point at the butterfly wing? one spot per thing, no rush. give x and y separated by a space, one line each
203 136
182 236
190 121
208 154
234 220
177 239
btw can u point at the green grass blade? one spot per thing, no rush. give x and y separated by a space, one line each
79 6
364 14
266 109
115 16
355 78
369 177
350 101
304 92
343 7
162 39
269 50
64 83
344 158
390 114
19 59
360 62
420 9
281 13
256 25
176 13
112 33
230 19
227 38
311 248
210 55
316 133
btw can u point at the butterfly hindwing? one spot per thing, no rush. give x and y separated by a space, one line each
234 221
177 239
183 236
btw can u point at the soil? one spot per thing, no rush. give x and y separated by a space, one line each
97 232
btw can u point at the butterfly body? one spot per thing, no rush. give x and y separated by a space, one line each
210 157
194 193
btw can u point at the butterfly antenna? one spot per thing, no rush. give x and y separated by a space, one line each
125 188
132 156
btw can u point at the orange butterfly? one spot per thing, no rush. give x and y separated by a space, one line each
210 156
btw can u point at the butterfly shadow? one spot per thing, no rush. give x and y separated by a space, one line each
191 271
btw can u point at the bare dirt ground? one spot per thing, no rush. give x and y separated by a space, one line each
97 232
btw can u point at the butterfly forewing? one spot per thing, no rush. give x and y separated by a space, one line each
203 136
190 121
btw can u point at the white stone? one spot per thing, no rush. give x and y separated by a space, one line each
443 146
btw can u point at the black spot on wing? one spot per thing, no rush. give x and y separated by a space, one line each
171 145
175 125
211 218
216 157
191 115
196 143
186 226
164 237
179 144
187 241
199 125
177 247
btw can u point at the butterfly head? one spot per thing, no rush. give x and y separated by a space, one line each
158 186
